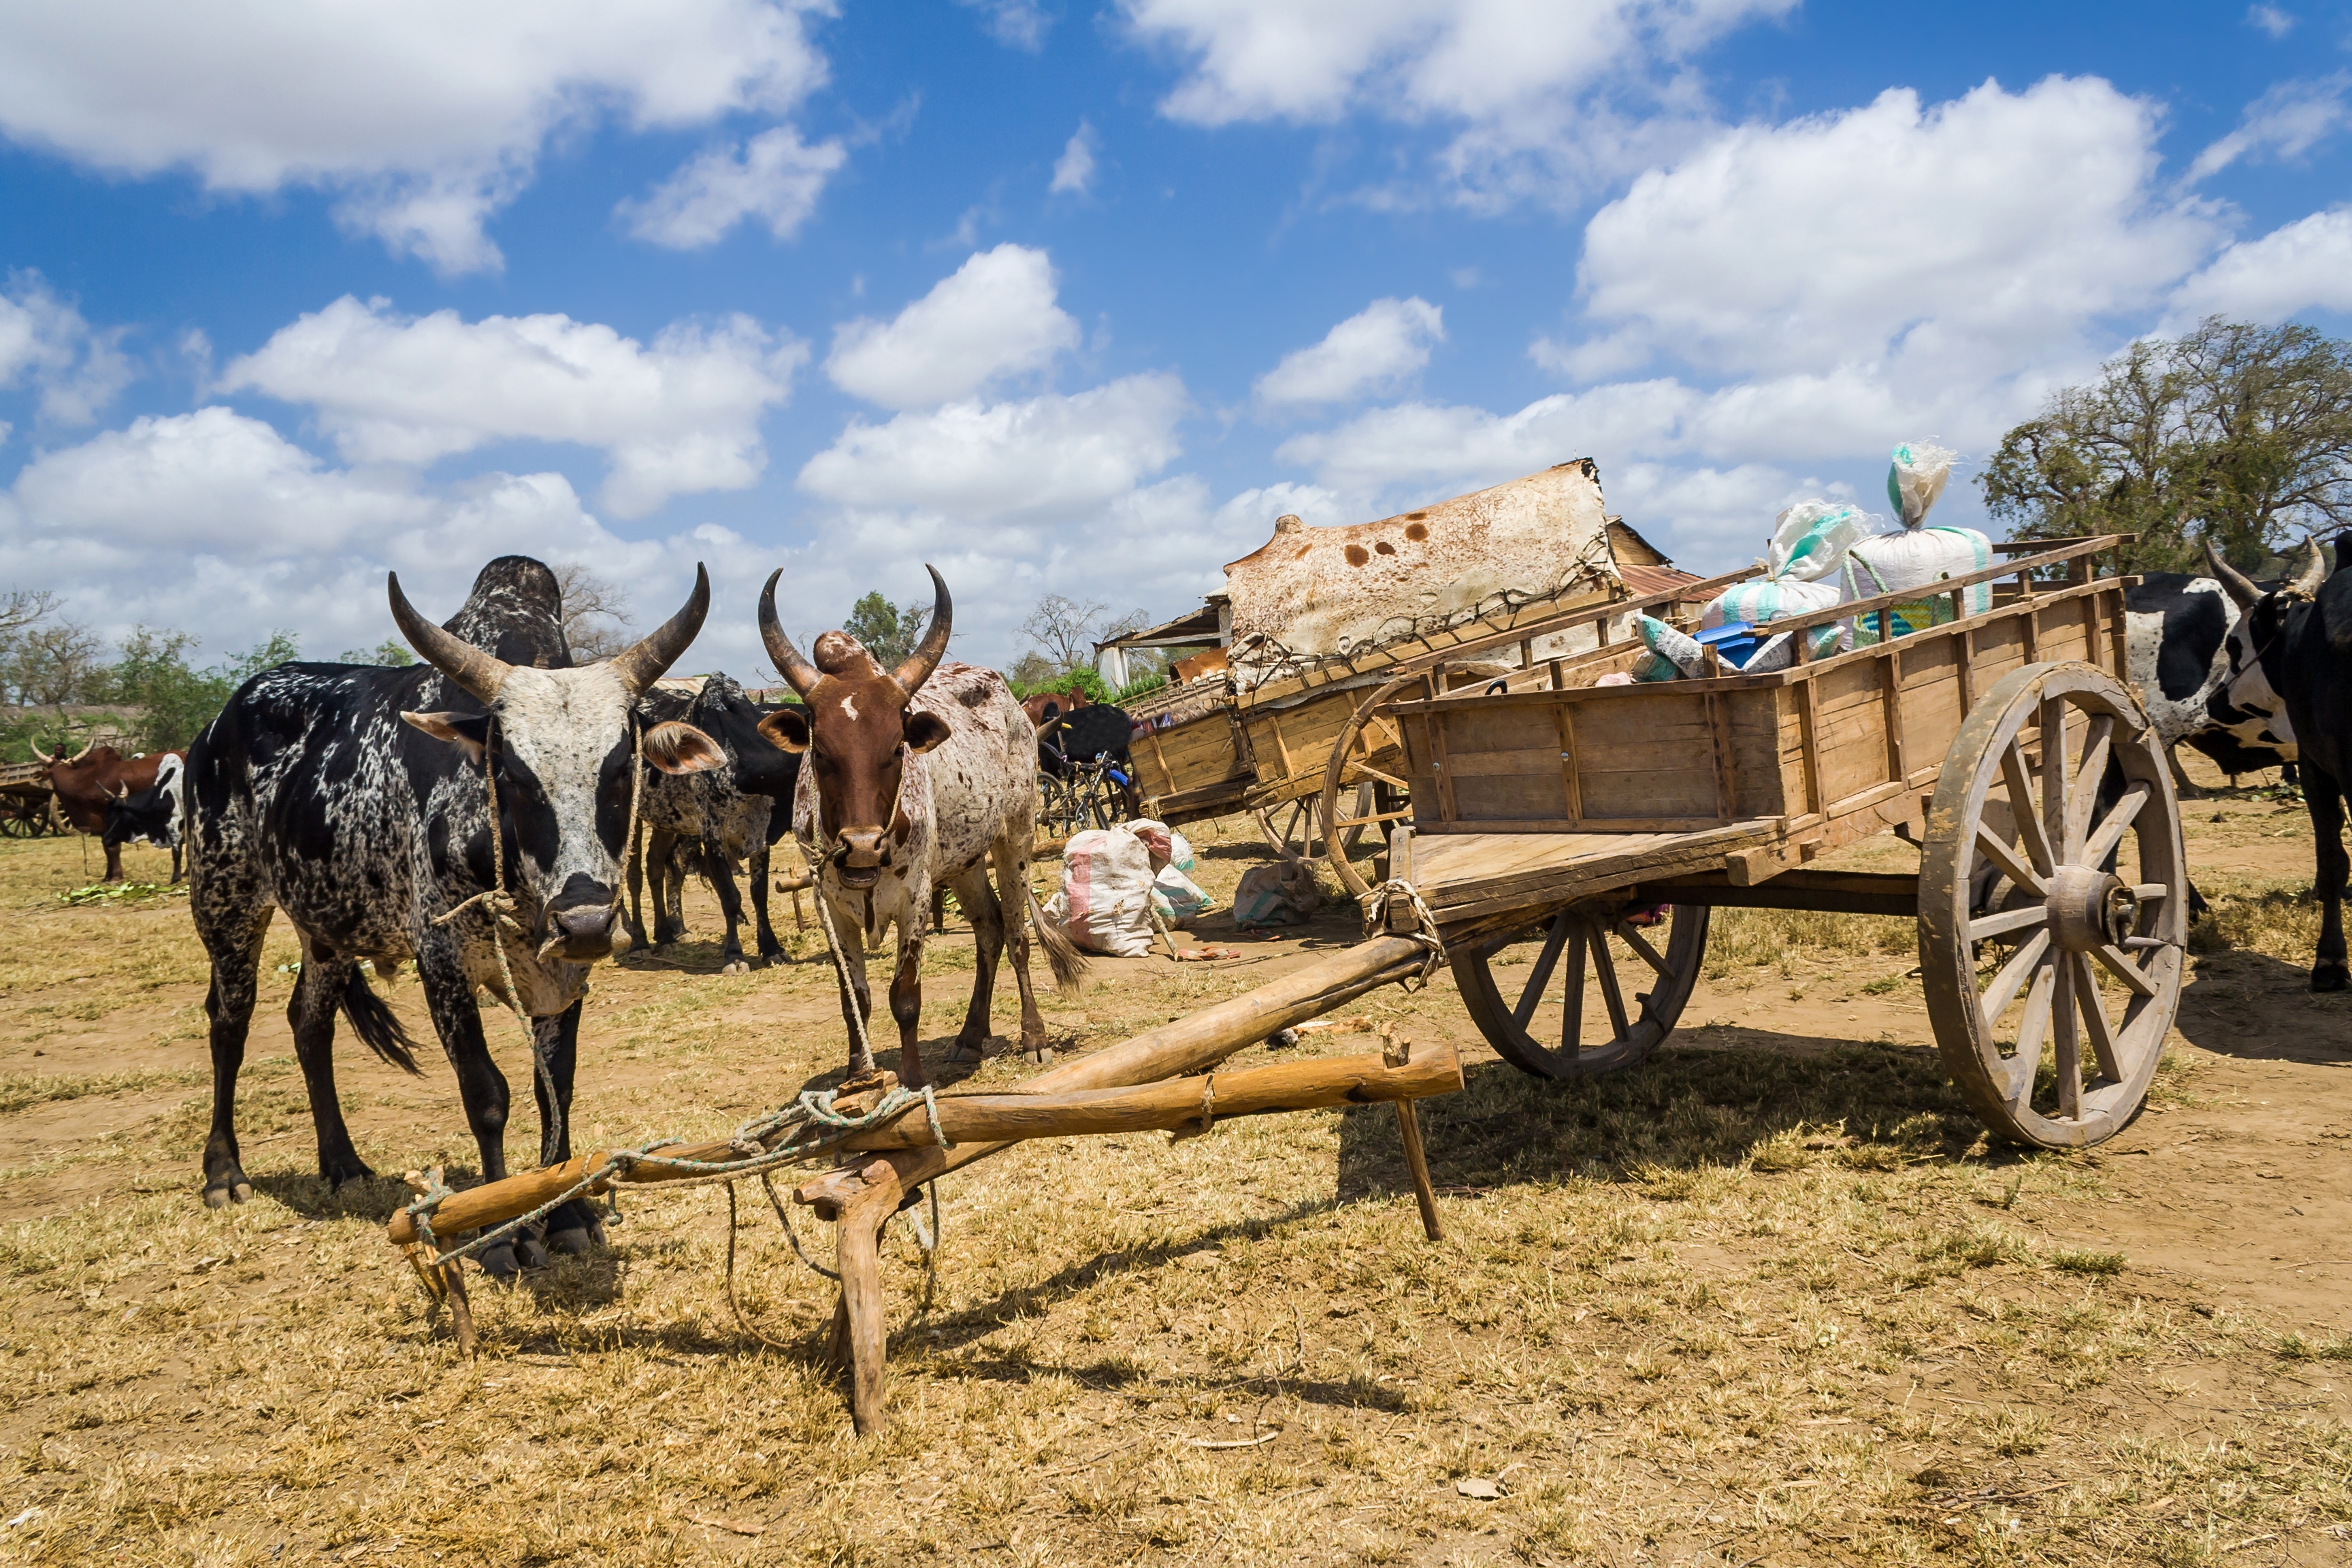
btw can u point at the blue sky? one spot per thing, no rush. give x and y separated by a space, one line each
1068 299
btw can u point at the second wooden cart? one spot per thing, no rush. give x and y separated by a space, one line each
1570 841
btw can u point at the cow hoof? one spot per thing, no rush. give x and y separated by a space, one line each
531 1252
2330 977
220 1194
774 955
738 967
570 1243
499 1262
337 1180
1040 1052
965 1051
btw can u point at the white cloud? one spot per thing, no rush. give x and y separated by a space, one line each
423 118
678 417
214 523
1017 23
2277 22
1955 240
45 341
776 179
1074 171
2304 265
1051 456
1530 86
2284 123
993 317
1373 350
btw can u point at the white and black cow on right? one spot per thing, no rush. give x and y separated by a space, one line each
2177 638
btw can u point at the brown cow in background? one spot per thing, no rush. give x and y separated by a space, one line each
84 785
1047 706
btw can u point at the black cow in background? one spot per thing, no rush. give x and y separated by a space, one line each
1097 731
707 822
352 798
2294 643
2177 636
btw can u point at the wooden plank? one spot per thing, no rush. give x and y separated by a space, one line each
1564 725
1466 764
1890 687
1829 892
1510 797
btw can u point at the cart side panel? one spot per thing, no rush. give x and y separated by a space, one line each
1929 699
1505 763
1292 744
1190 756
1850 737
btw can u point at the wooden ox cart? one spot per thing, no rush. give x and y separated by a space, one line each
26 801
1569 840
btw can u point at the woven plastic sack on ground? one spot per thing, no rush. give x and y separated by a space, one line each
1178 898
1159 839
1180 852
1282 894
1917 478
1917 558
1105 899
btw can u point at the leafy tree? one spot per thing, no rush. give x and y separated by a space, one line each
391 651
174 701
52 664
889 633
2233 432
280 648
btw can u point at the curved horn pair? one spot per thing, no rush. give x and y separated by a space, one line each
910 676
481 674
2315 572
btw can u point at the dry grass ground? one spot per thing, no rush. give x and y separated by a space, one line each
1770 1298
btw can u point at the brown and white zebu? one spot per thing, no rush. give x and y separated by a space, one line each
93 778
915 777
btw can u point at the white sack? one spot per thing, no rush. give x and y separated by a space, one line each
1105 899
1917 558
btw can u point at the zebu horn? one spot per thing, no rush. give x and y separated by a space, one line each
640 666
2234 583
88 746
453 655
928 652
2315 572
800 672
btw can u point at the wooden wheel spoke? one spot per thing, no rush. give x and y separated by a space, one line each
1639 943
1572 1023
2008 920
2056 774
2092 1005
1604 966
2022 807
2120 964
2002 853
2114 825
1554 940
2084 798
2151 892
2004 987
2031 1030
2066 1035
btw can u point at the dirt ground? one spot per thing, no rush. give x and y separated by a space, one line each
1771 1297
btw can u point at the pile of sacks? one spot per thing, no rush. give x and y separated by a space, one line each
1115 878
1825 554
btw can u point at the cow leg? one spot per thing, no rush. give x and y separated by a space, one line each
114 862
2323 796
770 950
662 870
907 1007
574 1227
234 942
980 907
857 1000
1012 886
730 904
481 1086
310 1013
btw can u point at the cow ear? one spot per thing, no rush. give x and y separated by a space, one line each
787 729
676 747
925 731
471 730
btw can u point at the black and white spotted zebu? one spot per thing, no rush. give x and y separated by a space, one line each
351 797
710 820
2178 635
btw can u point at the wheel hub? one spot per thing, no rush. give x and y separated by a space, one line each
2091 908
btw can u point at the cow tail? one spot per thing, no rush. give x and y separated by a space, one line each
1070 963
378 1027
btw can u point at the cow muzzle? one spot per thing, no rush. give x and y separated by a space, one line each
580 922
862 856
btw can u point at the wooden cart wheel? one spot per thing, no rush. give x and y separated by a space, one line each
1333 770
1295 827
1576 1018
2027 941
24 819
